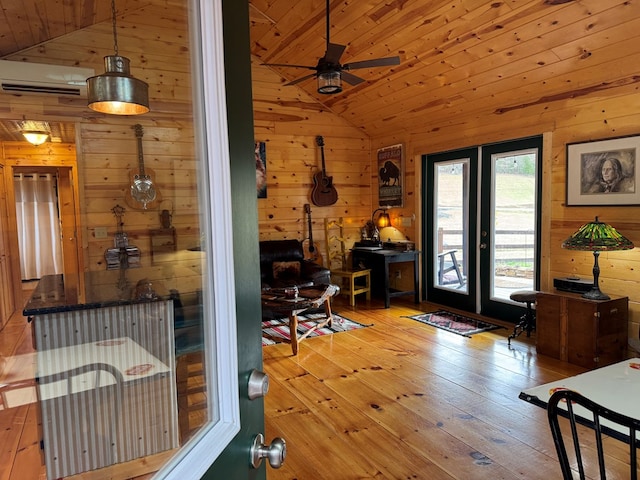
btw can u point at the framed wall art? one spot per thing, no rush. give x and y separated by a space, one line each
391 176
603 172
260 149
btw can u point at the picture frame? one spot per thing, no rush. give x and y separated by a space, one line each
260 153
603 172
391 176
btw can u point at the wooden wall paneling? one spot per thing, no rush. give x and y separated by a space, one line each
7 297
293 157
108 148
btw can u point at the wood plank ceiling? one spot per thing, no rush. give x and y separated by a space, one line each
458 57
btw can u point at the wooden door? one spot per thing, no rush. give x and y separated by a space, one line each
7 303
69 230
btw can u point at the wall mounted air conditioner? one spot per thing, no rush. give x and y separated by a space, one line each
23 77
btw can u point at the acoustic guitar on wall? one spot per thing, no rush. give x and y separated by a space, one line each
324 193
142 192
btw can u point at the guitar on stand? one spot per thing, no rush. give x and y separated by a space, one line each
324 193
310 249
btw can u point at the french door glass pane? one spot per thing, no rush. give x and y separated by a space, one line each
451 186
513 220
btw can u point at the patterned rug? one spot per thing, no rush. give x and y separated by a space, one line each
280 328
452 322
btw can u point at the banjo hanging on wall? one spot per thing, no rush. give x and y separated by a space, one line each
142 192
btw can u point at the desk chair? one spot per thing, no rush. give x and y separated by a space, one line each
597 413
191 384
337 255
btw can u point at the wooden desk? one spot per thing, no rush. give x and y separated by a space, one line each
616 387
378 261
589 333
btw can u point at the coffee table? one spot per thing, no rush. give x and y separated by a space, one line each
274 301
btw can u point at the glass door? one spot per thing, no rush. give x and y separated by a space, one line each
509 224
482 221
450 264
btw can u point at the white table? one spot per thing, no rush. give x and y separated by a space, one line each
78 368
616 387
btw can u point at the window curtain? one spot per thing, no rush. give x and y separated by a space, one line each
38 225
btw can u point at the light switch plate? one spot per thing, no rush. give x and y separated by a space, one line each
406 221
100 232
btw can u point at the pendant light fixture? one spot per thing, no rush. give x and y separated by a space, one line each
116 92
329 83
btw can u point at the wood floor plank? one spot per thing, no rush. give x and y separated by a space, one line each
451 402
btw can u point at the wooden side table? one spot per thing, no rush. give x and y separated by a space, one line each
274 301
589 333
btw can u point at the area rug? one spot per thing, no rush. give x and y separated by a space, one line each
280 328
452 322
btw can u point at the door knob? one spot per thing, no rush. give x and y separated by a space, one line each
274 453
483 246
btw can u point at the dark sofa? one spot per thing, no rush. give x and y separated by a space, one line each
282 264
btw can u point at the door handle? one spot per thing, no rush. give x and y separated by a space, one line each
274 453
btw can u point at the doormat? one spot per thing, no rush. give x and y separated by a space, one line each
279 328
454 323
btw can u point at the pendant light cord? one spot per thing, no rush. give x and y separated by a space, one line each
113 21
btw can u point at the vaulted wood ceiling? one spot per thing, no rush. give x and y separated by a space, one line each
458 57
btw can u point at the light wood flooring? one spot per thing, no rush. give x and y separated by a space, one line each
403 400
397 400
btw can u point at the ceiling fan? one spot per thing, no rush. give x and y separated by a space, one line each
330 71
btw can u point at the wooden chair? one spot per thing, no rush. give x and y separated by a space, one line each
445 266
617 425
192 393
352 282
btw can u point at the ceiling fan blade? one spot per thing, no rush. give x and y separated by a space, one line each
333 53
301 79
376 62
350 78
288 65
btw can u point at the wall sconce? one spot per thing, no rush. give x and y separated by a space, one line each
35 137
116 92
594 237
329 82
383 219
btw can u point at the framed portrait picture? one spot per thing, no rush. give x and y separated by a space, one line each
260 149
603 172
391 176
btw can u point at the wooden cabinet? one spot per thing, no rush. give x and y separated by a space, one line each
584 332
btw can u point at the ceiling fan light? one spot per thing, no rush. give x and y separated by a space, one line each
329 83
35 137
116 92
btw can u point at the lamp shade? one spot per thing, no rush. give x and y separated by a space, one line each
35 137
383 219
597 236
116 92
